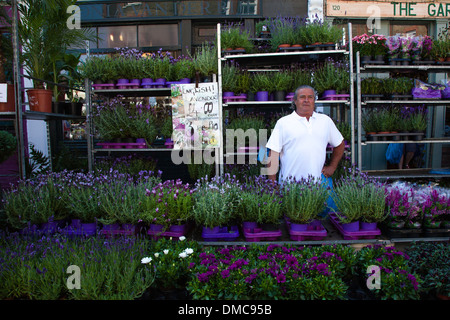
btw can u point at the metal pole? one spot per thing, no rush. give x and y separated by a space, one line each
89 125
18 92
352 94
219 161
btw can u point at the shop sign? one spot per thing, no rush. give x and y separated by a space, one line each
388 9
195 116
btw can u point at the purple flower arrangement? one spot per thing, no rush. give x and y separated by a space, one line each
267 272
411 206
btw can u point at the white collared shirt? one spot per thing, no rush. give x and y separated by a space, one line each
302 144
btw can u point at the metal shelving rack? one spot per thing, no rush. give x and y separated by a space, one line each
287 57
380 68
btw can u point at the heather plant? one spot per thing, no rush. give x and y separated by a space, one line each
167 203
435 206
402 205
397 281
304 200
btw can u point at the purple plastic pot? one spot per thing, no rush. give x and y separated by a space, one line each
177 228
207 230
156 227
351 227
262 96
299 226
366 226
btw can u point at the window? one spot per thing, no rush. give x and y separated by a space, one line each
410 30
117 36
158 35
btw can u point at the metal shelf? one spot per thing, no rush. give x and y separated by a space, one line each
281 54
243 104
147 92
419 67
430 101
35 115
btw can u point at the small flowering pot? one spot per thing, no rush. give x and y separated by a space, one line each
227 94
122 83
414 225
397 224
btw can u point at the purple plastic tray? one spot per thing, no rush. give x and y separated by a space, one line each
225 233
234 98
317 233
336 97
173 232
258 234
353 235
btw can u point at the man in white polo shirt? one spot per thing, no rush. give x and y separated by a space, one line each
299 140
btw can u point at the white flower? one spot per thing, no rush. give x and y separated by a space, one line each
166 251
182 238
156 255
146 260
183 255
189 250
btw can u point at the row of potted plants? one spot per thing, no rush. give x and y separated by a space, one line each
112 197
393 119
418 48
329 75
402 88
282 31
118 119
130 64
167 269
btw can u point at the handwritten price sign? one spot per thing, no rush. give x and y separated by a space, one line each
195 116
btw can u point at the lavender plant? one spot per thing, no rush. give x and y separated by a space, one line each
304 200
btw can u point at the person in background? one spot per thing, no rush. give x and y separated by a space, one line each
299 141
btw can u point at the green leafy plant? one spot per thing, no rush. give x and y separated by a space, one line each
235 36
282 80
8 145
326 77
205 60
261 81
304 200
260 201
372 85
215 201
229 78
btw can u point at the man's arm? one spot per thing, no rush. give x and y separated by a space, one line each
336 156
273 165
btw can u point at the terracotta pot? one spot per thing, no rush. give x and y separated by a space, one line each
10 104
40 100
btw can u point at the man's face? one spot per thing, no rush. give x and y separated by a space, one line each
305 102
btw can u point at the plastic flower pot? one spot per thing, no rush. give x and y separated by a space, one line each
299 226
351 226
156 227
368 225
178 228
249 225
207 230
262 96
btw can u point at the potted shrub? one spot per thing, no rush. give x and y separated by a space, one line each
350 200
8 145
262 85
214 203
282 31
261 206
44 37
229 80
281 83
372 88
234 37
166 205
183 69
373 209
243 83
205 61
303 201
326 77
